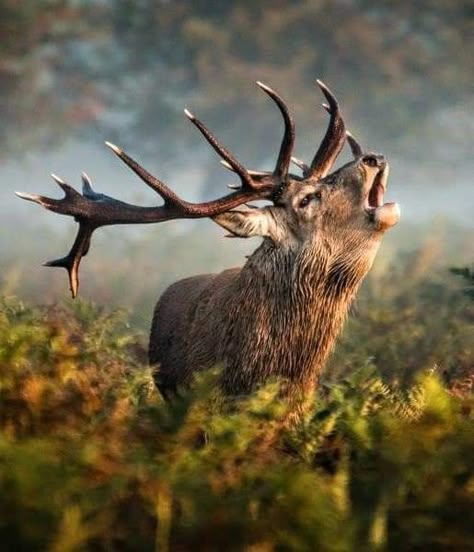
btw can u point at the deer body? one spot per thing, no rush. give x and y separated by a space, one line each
280 314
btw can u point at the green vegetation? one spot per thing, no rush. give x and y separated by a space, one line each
92 459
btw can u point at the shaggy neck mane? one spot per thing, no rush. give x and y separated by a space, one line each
288 307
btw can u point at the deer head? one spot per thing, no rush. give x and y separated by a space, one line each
342 213
338 211
349 200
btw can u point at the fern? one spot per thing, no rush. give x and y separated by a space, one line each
91 457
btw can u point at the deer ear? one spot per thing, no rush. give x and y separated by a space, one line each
246 224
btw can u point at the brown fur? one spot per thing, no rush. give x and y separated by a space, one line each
280 314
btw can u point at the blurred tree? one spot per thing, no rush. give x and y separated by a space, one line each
127 68
468 275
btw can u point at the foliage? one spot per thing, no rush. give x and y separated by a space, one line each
468 275
91 458
410 315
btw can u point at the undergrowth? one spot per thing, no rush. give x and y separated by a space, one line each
92 459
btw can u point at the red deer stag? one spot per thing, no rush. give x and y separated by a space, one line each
279 314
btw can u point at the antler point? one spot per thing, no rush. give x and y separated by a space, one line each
55 263
113 147
73 292
29 197
354 145
267 89
189 115
86 185
57 179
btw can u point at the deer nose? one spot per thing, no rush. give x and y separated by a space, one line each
374 160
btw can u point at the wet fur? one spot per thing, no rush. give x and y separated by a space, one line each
280 314
277 316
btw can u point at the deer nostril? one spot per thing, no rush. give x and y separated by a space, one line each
370 161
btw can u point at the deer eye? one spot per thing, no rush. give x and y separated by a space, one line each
370 161
307 199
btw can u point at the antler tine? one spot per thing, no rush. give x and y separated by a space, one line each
169 197
72 260
175 207
288 140
87 186
356 148
333 140
252 173
301 164
247 182
87 190
70 195
35 198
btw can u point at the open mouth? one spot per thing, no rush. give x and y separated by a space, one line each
381 215
374 198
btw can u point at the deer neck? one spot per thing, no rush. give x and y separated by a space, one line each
287 311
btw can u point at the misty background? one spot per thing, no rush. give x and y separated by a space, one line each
74 73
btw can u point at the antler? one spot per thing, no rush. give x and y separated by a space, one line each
93 210
288 140
332 143
280 172
356 148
